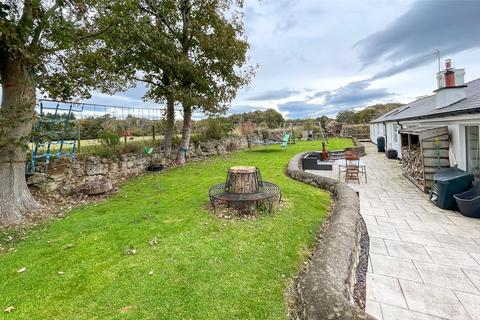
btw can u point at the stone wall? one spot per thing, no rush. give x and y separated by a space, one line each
327 288
67 176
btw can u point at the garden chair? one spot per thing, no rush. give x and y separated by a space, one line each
352 167
284 142
342 166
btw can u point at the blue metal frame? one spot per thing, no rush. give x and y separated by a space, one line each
62 129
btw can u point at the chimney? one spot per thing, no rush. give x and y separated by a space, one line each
450 86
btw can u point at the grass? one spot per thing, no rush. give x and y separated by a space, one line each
203 267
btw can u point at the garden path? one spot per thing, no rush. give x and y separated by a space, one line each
424 262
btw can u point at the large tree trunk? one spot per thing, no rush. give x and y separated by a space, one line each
167 139
16 116
186 132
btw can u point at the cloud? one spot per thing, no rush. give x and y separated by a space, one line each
354 94
287 24
301 109
273 95
411 39
244 108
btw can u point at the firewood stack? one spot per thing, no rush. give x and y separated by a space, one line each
413 164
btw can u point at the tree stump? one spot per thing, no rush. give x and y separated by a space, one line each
243 179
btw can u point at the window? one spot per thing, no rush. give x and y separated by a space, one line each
395 133
473 150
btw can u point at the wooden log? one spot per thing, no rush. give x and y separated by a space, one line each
413 165
243 179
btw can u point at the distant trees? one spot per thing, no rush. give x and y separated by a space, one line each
347 116
271 117
366 115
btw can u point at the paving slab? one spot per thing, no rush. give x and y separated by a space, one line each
389 312
424 261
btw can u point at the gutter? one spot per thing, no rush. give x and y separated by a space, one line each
439 115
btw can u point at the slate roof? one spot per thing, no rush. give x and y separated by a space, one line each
425 107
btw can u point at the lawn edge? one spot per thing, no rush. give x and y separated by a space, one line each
332 286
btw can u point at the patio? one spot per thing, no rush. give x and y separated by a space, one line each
424 261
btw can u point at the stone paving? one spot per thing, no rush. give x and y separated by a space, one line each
424 261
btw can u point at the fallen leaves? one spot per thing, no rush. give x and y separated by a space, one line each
22 270
9 309
153 242
130 251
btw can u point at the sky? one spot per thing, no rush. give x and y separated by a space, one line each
319 57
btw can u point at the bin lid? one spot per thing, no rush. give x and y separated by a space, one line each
446 174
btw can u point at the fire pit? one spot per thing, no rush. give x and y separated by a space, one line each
244 189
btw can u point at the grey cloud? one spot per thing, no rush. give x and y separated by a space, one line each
244 108
354 94
410 41
301 109
273 95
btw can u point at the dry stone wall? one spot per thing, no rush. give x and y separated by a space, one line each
67 176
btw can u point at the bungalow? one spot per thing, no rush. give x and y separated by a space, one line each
454 106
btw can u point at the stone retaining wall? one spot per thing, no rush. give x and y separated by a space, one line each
326 289
66 176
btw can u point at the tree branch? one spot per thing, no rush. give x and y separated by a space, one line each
95 34
160 17
26 20
40 27
146 81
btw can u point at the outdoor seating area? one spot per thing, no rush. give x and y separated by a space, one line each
244 190
347 166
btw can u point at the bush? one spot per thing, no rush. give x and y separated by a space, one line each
247 128
106 151
109 139
215 129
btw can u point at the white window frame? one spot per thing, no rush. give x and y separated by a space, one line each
395 133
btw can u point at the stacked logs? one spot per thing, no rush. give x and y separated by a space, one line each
413 164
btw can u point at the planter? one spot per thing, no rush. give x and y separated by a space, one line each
468 202
313 161
155 167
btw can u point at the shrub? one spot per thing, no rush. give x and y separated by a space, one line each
216 129
247 128
176 140
265 134
109 138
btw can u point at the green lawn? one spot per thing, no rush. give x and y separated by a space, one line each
203 267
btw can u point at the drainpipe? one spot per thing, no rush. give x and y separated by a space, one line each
400 141
385 135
